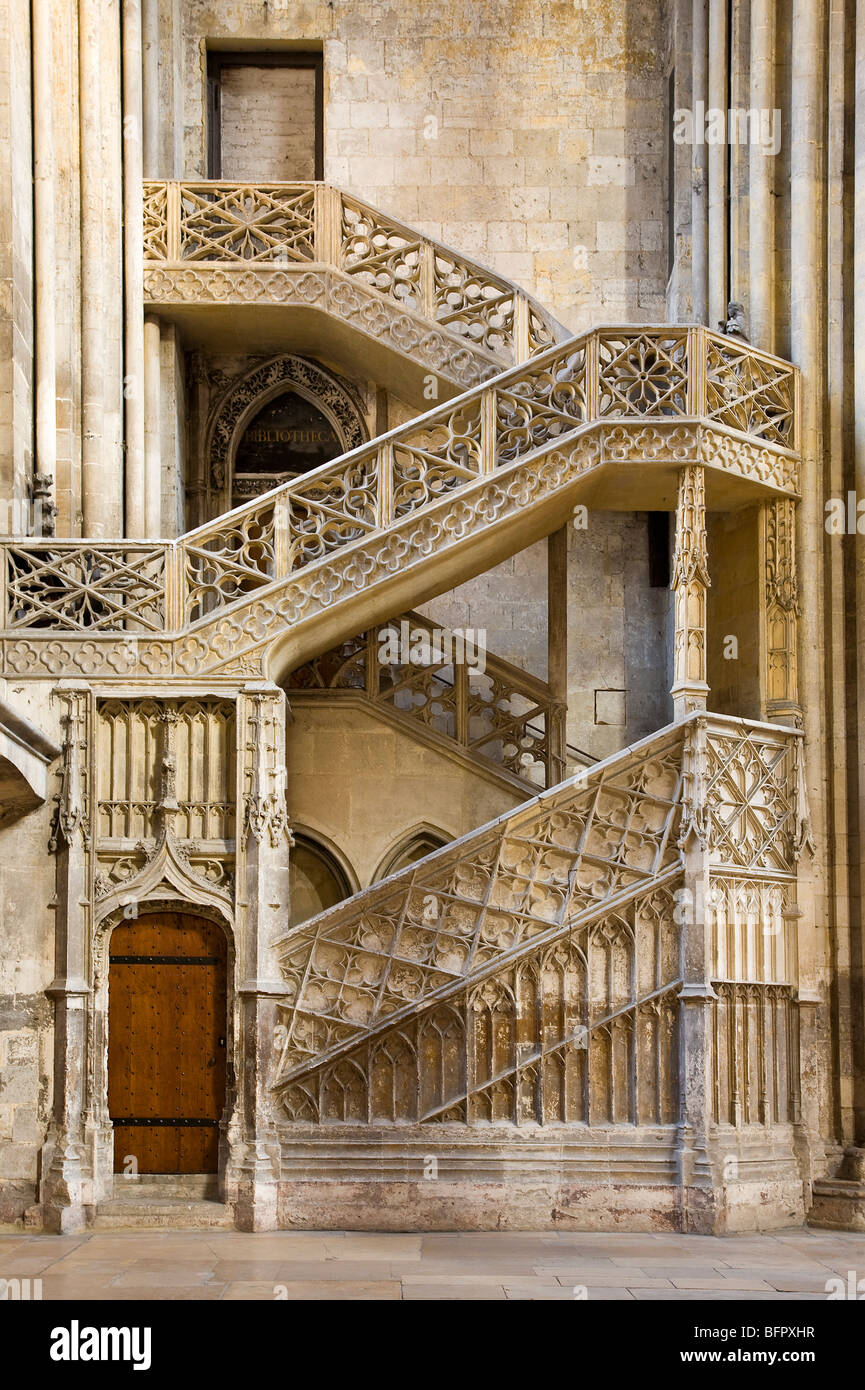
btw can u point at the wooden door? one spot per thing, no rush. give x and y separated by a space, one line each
166 1042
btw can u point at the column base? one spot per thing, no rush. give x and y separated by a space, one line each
65 1193
254 1191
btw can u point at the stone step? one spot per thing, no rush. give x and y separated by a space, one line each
160 1212
194 1186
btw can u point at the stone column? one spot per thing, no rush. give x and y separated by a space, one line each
263 840
697 996
44 250
65 1189
150 57
557 645
780 617
699 176
761 166
689 584
807 349
717 159
133 272
857 982
96 473
152 428
198 506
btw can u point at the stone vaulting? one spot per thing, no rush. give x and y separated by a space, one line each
429 609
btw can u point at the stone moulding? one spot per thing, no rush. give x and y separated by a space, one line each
328 292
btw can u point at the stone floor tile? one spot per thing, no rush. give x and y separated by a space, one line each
797 1283
326 1289
248 1291
744 1282
545 1293
146 1293
63 1286
375 1245
618 1279
292 1271
670 1269
476 1293
26 1265
717 1296
239 1271
144 1276
459 1280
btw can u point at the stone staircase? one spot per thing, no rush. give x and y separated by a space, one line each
549 974
314 250
564 883
609 419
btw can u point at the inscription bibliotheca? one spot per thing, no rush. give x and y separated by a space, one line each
288 436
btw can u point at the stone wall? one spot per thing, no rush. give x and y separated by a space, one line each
27 893
528 136
268 123
732 633
359 783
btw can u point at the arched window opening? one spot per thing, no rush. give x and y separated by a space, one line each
316 880
416 846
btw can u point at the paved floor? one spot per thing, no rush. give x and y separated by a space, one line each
113 1265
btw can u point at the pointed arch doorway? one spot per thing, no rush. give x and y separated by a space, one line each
167 1025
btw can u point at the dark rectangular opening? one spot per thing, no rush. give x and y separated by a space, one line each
265 116
659 549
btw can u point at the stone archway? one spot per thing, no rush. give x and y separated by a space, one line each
328 394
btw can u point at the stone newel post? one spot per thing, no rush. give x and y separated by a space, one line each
781 613
689 584
263 842
62 1190
697 995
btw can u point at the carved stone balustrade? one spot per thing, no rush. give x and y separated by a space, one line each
311 246
501 715
611 419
